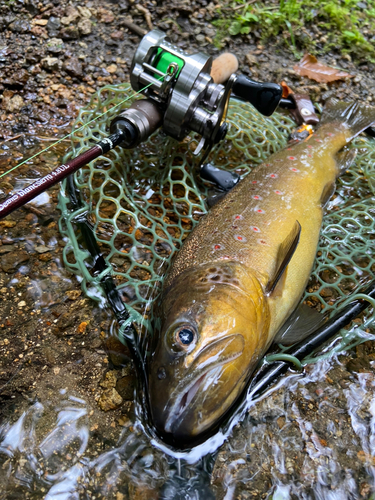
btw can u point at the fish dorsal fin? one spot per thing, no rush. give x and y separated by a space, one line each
284 254
301 323
344 160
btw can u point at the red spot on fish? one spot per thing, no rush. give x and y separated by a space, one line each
294 169
256 229
291 158
238 217
254 182
289 149
330 134
262 242
217 247
310 156
239 237
273 176
309 146
260 211
256 197
318 140
277 191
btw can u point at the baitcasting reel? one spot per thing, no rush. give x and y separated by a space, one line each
182 87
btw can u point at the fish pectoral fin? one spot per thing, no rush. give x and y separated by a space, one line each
301 323
284 254
344 160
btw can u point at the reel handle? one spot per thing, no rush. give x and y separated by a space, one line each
265 97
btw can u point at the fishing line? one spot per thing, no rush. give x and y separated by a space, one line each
78 129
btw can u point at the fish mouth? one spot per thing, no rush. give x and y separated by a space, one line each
174 420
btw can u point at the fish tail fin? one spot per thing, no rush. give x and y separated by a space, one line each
358 117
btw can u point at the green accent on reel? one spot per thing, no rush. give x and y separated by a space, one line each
143 203
164 59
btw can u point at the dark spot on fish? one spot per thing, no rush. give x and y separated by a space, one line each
161 373
212 270
215 278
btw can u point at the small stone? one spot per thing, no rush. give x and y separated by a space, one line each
110 380
85 26
15 104
117 35
70 33
20 26
55 45
45 257
125 387
10 261
6 249
73 294
84 12
251 59
53 24
21 304
41 22
112 68
110 400
82 327
42 249
73 66
117 351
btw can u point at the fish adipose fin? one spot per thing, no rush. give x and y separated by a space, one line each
300 324
358 117
344 160
284 254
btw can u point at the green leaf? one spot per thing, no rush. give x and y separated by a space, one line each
245 30
235 28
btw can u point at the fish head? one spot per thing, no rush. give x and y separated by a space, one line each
211 328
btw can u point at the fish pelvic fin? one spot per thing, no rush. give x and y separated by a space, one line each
358 117
344 160
285 253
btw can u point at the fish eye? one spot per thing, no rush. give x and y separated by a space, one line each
185 336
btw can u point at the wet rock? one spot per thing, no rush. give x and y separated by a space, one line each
17 79
110 400
20 26
73 294
110 380
51 63
10 261
118 353
71 16
125 387
53 25
55 45
84 12
85 26
70 33
15 104
6 249
73 66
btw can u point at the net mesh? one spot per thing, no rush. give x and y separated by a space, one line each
142 204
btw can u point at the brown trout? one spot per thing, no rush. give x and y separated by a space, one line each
239 276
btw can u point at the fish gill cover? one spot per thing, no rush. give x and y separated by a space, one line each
143 203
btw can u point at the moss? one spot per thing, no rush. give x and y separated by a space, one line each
303 24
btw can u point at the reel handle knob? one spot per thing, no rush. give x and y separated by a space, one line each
265 97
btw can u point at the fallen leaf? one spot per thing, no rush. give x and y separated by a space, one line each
310 67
